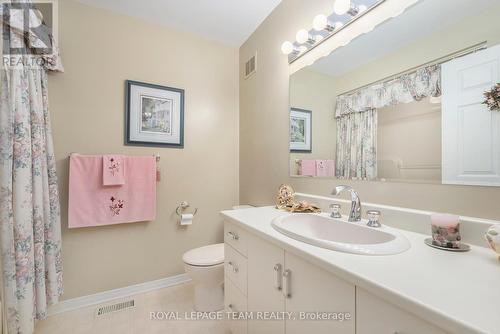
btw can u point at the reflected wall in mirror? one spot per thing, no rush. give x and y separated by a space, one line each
405 101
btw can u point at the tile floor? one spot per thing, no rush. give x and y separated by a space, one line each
136 320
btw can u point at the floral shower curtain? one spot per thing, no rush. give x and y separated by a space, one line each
357 146
356 116
30 232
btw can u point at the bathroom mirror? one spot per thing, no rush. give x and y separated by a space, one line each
404 102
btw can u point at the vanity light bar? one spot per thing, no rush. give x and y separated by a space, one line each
324 28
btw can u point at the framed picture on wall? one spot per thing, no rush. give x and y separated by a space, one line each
154 115
300 130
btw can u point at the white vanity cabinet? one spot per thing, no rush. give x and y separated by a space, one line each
267 278
375 316
278 281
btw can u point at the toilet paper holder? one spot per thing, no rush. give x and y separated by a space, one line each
183 206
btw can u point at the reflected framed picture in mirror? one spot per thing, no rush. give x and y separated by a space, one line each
300 130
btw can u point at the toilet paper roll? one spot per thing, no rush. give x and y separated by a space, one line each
187 219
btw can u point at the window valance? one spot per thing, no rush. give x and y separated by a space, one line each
425 82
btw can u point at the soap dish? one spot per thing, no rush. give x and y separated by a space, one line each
463 247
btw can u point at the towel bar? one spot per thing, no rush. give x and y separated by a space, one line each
157 156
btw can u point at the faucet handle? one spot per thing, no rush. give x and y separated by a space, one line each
335 211
373 218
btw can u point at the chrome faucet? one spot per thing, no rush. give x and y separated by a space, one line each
355 214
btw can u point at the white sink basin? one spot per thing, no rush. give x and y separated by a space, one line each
340 235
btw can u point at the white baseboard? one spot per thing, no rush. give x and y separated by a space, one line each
107 296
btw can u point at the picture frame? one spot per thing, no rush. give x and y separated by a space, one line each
300 130
154 115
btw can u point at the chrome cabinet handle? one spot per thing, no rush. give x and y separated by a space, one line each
277 271
287 274
232 265
233 235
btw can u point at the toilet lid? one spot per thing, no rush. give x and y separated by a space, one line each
205 256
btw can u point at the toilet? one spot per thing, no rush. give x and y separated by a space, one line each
205 267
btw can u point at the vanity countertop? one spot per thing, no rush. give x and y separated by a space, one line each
455 291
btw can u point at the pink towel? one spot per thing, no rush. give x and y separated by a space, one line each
325 168
92 204
113 170
308 167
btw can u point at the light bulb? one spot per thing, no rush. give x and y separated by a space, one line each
320 22
303 48
338 25
287 47
362 8
302 36
341 6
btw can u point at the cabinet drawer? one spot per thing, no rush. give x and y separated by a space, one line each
235 268
376 316
236 237
234 301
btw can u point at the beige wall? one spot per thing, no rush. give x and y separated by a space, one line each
314 91
264 99
100 51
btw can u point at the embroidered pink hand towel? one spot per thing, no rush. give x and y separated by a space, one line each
325 168
113 170
308 168
92 204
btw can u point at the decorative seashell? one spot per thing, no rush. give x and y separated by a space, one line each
285 201
285 196
493 238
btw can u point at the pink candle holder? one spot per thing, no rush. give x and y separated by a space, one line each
446 230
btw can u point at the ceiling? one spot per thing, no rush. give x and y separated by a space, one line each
227 21
420 20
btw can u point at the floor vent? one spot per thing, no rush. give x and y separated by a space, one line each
115 307
251 66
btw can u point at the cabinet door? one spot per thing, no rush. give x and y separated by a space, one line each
313 289
264 293
375 316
